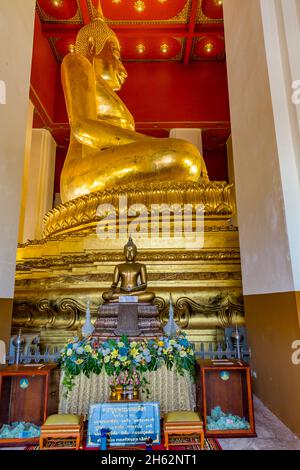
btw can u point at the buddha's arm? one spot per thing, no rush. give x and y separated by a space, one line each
115 279
101 134
143 278
79 85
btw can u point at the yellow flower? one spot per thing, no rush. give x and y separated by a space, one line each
121 344
115 353
88 348
133 344
172 341
117 363
134 352
79 361
165 351
190 351
69 352
127 363
160 343
183 353
107 359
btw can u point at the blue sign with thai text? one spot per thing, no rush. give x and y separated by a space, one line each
129 423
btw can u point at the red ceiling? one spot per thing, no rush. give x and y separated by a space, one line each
176 79
183 27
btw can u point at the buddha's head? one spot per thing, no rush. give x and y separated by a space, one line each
130 250
100 45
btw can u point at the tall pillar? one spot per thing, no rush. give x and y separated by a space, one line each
40 183
16 24
25 181
231 177
261 36
194 136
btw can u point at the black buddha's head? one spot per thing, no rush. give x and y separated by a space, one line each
130 250
100 45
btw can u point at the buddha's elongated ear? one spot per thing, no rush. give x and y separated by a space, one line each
92 45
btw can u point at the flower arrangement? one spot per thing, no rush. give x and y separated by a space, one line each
131 358
126 378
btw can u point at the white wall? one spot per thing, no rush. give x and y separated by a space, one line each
16 37
281 23
264 237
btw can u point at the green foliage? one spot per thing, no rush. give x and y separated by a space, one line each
117 356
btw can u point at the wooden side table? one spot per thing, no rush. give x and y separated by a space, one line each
27 393
227 384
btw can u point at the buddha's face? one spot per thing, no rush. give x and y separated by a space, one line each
109 66
130 253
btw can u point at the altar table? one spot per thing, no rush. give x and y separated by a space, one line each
173 391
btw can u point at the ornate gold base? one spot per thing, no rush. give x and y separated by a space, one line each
82 213
57 275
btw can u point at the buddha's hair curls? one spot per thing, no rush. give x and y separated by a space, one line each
100 32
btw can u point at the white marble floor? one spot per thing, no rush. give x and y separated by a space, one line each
272 434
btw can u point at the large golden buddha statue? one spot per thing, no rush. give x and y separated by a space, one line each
105 152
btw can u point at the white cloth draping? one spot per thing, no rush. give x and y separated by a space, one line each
174 392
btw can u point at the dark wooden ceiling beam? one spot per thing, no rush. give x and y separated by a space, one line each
191 33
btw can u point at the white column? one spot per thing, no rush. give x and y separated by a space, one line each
281 26
16 33
40 183
194 136
231 176
27 151
262 38
261 188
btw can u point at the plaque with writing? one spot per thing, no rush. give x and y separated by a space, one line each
128 299
129 423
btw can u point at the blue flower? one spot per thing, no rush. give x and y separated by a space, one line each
123 351
184 342
146 352
148 359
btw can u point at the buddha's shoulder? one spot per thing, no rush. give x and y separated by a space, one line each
122 266
73 58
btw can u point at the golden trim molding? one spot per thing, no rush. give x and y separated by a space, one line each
222 311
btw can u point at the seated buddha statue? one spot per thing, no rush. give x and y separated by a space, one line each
132 277
105 152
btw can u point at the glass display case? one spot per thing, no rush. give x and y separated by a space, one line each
28 394
224 398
